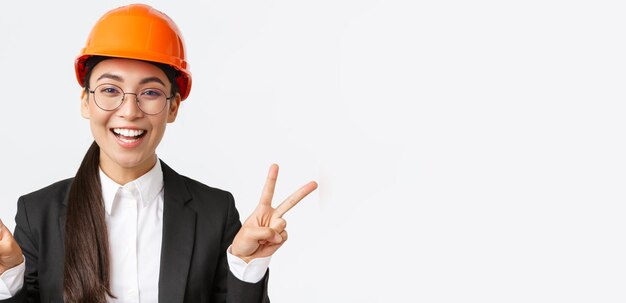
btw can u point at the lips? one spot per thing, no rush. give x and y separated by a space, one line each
128 135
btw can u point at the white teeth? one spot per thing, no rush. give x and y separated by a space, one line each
128 132
128 141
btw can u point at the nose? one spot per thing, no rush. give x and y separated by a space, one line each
129 108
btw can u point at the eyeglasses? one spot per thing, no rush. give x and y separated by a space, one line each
109 97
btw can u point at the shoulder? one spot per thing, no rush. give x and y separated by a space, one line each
204 199
46 201
55 191
186 187
209 199
197 188
216 207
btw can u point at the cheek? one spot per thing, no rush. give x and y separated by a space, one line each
98 120
157 125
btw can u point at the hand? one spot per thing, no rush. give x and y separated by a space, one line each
264 231
10 251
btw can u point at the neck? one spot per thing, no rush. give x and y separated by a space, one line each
121 174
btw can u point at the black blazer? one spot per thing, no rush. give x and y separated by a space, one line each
199 223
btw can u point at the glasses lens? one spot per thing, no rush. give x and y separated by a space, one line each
152 100
108 96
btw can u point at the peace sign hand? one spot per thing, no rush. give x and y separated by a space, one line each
264 231
10 251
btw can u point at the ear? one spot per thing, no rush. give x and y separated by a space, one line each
84 104
173 110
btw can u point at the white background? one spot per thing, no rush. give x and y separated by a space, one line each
466 151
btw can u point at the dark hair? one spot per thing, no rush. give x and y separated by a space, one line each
87 272
87 264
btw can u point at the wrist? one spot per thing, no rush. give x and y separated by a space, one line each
11 264
245 258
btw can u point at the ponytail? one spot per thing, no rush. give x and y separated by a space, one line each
87 273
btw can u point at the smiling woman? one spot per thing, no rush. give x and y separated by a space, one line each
127 227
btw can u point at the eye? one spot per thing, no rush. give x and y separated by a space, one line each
109 90
152 93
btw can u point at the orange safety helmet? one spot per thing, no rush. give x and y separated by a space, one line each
137 31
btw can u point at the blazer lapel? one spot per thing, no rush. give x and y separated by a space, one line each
179 227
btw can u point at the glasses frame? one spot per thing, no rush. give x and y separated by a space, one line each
124 98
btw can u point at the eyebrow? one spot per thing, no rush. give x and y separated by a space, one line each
119 79
151 79
110 76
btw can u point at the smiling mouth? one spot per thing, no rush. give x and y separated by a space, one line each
128 135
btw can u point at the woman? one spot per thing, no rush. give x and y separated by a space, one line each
128 228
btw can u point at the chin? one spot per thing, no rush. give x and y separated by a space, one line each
130 162
125 159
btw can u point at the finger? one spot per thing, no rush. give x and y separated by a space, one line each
292 200
284 237
278 224
264 235
270 184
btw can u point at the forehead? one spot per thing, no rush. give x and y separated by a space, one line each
131 71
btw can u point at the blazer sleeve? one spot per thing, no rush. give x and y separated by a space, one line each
227 287
23 236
